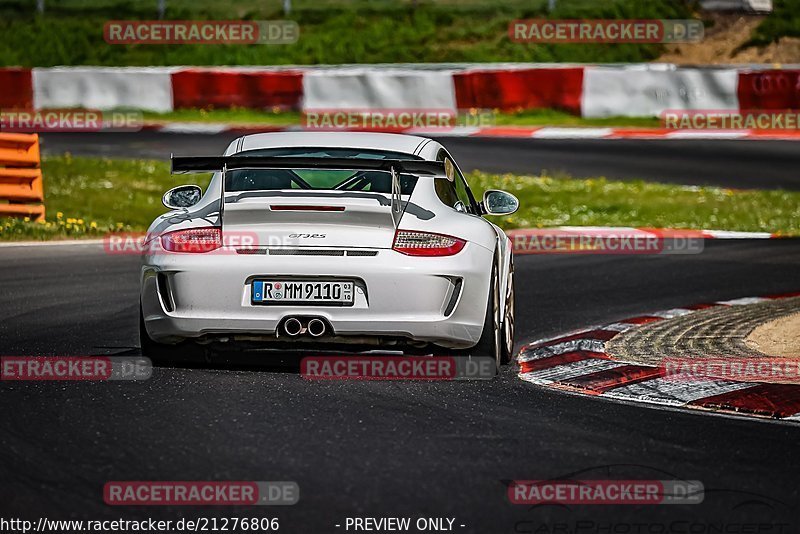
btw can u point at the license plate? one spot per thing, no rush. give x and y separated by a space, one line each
303 292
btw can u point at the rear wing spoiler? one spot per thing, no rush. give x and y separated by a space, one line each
187 164
180 164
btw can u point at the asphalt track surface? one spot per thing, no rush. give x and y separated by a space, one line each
744 164
399 449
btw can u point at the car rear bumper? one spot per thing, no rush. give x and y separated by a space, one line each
439 300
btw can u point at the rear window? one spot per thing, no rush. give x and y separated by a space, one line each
341 180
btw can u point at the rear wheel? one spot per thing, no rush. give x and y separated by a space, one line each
490 342
508 320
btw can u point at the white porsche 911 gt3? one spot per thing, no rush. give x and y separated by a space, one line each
360 240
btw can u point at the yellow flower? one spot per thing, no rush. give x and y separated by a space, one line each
27 219
93 225
59 215
80 221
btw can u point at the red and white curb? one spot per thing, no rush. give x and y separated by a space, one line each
577 362
531 132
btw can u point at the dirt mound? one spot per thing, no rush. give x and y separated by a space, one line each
723 41
780 337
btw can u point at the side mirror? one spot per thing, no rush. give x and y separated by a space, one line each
496 202
183 196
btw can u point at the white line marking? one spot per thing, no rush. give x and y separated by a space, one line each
619 327
566 334
456 131
194 128
742 301
602 231
729 234
669 314
688 134
572 133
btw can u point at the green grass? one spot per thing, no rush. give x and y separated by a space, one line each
239 116
784 21
125 195
548 201
71 33
538 117
552 117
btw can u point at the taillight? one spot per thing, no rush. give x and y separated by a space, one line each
195 240
426 244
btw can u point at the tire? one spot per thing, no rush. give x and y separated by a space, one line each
490 342
163 354
509 319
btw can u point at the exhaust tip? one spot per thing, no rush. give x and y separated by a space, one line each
292 326
316 327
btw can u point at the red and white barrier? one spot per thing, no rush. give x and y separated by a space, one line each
637 90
